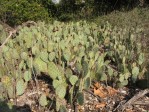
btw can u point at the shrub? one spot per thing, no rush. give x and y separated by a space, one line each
15 12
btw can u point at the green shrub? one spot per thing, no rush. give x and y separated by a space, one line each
15 12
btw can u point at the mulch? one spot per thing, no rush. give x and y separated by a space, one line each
124 99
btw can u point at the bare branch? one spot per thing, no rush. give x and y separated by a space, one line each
10 34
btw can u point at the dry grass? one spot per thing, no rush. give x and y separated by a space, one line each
132 18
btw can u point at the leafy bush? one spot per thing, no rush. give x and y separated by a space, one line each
15 12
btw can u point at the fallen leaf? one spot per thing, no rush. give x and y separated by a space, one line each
80 108
129 110
97 85
103 91
100 93
111 91
100 105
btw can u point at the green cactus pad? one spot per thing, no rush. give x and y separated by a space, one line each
53 70
80 98
27 76
43 100
73 79
61 91
40 65
20 87
87 83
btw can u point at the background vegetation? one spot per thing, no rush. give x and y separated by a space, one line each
15 12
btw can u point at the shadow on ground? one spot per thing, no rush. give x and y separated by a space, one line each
5 107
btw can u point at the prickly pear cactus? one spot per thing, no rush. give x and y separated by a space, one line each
72 55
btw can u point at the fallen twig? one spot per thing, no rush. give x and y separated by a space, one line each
141 103
134 99
90 92
10 34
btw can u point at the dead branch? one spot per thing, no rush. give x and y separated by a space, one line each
141 103
10 34
134 99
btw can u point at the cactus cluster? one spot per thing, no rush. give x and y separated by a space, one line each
72 54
